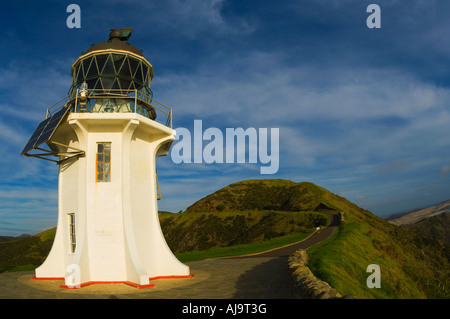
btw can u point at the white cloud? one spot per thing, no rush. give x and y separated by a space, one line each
10 134
27 193
264 91
27 209
338 127
190 19
339 124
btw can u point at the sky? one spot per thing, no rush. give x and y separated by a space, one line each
362 112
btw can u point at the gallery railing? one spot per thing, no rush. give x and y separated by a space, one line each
114 101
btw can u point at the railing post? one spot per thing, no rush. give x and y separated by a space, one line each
76 101
135 100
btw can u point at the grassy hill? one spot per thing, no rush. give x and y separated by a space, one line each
12 238
436 227
26 253
412 266
265 211
274 194
192 232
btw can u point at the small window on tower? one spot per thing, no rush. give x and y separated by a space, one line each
72 238
103 162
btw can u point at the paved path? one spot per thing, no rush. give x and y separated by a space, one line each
258 276
315 238
243 278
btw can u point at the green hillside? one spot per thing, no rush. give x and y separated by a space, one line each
250 213
412 266
4 239
26 253
277 194
192 232
436 227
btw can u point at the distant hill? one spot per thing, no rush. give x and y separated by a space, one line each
27 252
12 238
419 214
274 194
412 266
436 227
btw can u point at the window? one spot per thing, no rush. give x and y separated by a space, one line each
72 239
103 162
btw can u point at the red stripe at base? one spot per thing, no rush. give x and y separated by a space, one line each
89 283
129 283
48 278
172 277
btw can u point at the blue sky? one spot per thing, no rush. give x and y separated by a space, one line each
362 112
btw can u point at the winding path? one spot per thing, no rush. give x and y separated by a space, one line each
315 238
264 275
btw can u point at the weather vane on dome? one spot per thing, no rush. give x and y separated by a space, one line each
123 34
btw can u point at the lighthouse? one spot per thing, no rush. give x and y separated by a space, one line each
105 136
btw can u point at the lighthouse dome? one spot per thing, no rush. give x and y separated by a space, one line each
113 65
117 41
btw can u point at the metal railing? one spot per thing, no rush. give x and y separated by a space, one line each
120 101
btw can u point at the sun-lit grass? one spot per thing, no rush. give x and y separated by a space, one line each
244 249
255 216
19 268
189 232
343 259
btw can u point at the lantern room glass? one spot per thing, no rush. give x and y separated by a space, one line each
112 71
111 76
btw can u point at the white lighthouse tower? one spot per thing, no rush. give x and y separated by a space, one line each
105 136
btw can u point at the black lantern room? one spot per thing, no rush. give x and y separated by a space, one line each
113 66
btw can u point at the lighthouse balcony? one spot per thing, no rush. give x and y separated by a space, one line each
90 102
117 101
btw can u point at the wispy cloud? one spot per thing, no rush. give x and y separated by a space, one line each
394 166
352 123
361 112
27 209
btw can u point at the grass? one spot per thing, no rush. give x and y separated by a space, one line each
343 259
279 195
26 253
243 249
190 232
255 216
204 235
235 250
19 268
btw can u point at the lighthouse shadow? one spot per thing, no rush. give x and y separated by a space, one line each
267 280
64 165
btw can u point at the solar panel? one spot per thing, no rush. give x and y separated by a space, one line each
35 135
45 130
